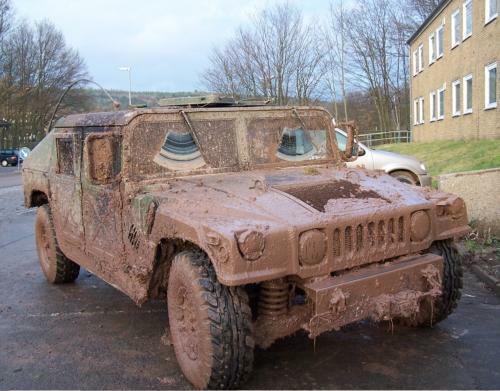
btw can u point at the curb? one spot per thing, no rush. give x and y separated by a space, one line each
490 281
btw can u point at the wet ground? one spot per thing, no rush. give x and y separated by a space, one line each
87 335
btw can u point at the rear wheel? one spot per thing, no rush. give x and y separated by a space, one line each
56 267
431 313
5 163
210 324
405 177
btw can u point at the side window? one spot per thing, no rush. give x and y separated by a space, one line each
65 155
103 158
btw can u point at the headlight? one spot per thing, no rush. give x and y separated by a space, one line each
422 167
420 225
312 247
251 244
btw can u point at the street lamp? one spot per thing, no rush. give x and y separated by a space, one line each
127 69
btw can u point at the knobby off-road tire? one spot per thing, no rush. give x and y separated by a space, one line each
56 267
452 283
210 324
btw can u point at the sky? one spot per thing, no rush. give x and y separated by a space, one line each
166 43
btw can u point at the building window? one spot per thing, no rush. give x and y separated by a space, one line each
455 98
415 63
491 10
421 110
415 112
467 94
490 86
467 28
439 42
421 58
432 45
455 28
432 106
440 103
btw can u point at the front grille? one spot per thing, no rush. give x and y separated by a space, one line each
380 237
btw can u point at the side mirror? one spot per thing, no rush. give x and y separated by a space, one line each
103 157
351 130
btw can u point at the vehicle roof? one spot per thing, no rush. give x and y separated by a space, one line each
121 118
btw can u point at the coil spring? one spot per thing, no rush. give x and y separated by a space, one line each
273 298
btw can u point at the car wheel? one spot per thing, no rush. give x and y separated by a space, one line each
434 311
56 267
4 163
405 177
210 324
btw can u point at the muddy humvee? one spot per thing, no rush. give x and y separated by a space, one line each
246 220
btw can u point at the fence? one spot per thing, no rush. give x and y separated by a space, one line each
390 137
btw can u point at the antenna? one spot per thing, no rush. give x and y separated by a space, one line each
116 105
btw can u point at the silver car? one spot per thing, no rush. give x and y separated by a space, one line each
405 168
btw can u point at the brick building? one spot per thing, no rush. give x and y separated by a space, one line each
454 58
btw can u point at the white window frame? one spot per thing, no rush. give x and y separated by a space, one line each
421 113
487 17
420 57
487 69
432 106
415 63
415 112
432 48
440 29
440 116
455 21
466 92
455 98
466 35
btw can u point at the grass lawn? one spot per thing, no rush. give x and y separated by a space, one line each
444 157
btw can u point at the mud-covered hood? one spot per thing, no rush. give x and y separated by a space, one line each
292 197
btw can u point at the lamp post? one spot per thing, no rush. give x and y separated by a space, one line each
127 69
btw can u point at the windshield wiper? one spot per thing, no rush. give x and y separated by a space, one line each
302 123
193 132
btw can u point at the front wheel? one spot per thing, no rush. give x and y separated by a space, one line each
210 324
5 163
432 312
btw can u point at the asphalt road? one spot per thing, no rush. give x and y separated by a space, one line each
87 335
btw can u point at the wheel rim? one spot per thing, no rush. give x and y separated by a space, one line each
43 246
189 323
186 320
4 164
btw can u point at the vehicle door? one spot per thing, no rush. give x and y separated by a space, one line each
65 189
101 200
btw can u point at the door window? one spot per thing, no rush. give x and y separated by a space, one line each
65 155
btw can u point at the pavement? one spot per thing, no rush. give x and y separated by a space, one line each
88 335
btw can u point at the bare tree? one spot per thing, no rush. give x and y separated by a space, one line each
277 56
36 66
419 10
335 37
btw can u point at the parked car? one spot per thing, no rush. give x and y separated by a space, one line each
407 169
8 157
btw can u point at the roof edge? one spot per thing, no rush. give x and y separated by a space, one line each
434 14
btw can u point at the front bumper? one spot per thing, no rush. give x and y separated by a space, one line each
425 180
378 292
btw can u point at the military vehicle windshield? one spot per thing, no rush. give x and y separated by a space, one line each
217 141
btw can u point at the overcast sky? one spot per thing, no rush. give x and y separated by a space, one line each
166 42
